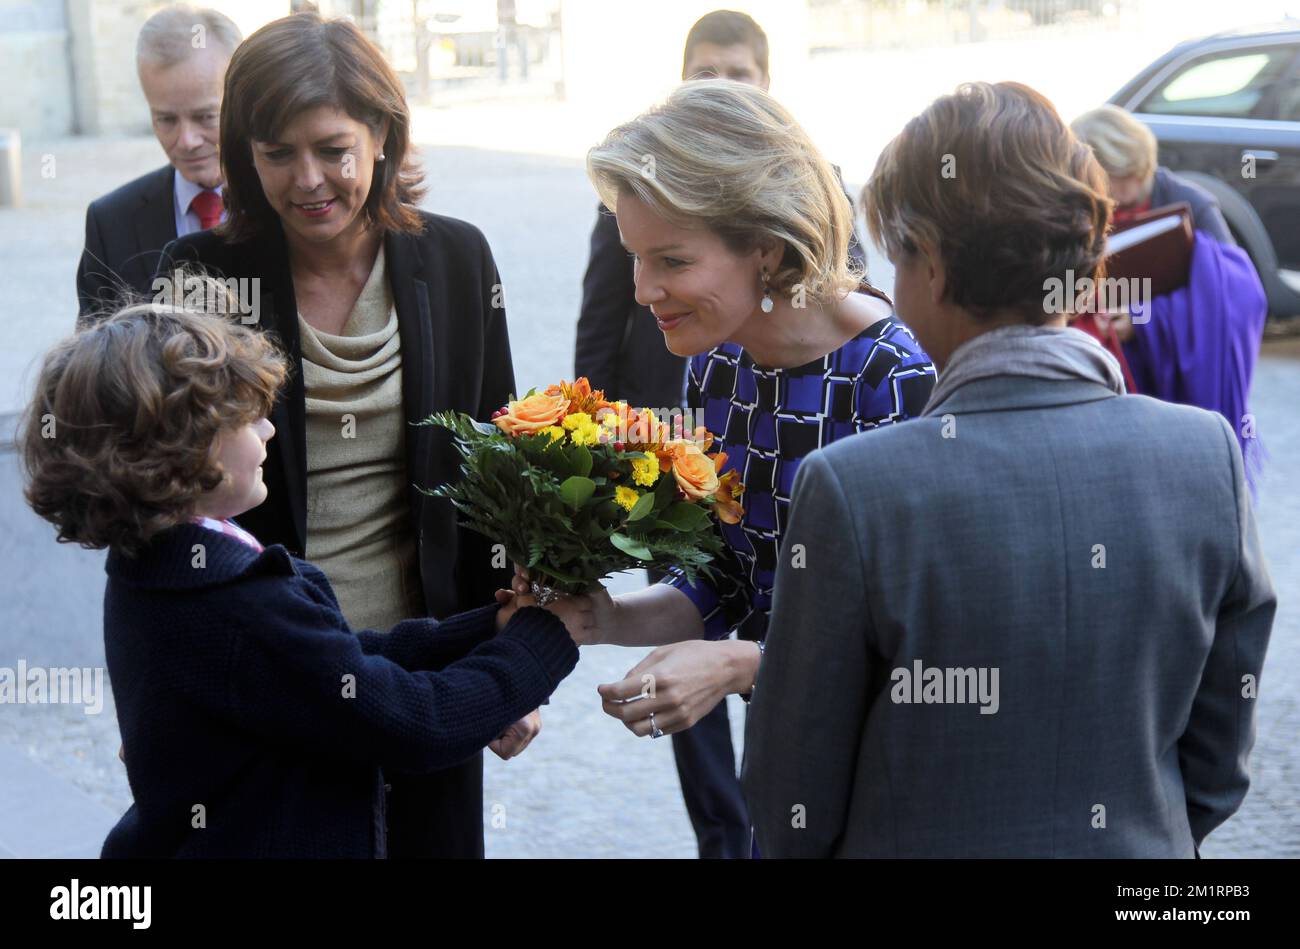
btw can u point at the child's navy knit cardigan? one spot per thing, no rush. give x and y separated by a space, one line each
256 723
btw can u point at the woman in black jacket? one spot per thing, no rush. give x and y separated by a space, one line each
387 314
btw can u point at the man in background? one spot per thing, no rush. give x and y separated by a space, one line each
181 58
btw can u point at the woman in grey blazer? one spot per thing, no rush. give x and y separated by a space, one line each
1043 634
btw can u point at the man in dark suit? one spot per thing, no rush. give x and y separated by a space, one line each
621 350
181 59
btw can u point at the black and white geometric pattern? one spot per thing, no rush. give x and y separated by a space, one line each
768 421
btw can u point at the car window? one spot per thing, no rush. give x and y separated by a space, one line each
1225 85
1288 98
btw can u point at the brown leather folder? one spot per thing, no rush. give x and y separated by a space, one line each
1155 244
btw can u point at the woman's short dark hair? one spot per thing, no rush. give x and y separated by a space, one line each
117 442
727 28
995 182
296 64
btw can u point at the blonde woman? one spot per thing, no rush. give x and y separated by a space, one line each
739 230
1126 150
1198 344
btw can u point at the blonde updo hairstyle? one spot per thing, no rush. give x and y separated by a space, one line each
726 157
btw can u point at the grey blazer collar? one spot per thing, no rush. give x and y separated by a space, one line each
1012 393
1040 360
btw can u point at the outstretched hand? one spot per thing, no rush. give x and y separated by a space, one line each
571 611
517 737
680 683
511 603
583 616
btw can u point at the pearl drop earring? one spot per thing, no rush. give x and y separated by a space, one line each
766 305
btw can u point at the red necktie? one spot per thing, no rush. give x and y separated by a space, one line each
207 205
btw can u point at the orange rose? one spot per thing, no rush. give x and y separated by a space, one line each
531 415
694 471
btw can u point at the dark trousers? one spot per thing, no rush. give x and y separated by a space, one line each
706 767
437 815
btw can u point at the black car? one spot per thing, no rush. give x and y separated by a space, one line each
1226 112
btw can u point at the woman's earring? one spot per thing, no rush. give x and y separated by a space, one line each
381 157
766 305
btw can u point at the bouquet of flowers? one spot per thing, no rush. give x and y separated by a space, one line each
576 488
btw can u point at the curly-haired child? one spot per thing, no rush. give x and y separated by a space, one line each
255 722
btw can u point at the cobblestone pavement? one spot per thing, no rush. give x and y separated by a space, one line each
586 787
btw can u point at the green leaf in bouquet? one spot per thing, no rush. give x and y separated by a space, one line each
633 548
685 516
665 491
462 426
580 458
564 579
577 490
555 459
608 513
448 420
644 505
597 531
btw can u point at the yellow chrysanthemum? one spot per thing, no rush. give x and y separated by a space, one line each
645 470
587 434
626 498
576 420
554 431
